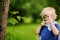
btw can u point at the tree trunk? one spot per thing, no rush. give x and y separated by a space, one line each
4 6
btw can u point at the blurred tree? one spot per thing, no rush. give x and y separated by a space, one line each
4 5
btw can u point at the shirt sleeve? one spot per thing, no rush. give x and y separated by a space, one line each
57 26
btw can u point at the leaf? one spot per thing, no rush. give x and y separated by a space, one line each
19 18
12 21
14 12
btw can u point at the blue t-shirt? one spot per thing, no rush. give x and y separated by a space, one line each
47 34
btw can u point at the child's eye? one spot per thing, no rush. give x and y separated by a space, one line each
45 17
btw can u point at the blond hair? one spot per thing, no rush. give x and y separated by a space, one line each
49 11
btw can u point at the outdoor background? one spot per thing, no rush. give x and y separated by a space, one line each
24 17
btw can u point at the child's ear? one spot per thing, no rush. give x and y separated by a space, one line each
54 16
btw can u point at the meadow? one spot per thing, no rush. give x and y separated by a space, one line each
21 32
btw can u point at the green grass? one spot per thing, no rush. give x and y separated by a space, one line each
21 32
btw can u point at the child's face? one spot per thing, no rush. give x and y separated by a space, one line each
47 18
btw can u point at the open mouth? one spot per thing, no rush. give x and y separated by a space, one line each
45 17
45 20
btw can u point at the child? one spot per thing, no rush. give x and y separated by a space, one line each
49 28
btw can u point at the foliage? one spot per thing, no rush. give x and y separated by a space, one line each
30 8
27 20
12 21
19 18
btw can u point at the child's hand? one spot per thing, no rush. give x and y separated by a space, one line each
50 20
37 31
42 23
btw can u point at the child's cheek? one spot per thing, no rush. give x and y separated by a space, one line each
52 17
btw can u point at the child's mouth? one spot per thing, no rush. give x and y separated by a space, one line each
46 19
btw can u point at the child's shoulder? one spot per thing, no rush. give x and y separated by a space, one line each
55 22
57 25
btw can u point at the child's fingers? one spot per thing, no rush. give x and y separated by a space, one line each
50 18
42 23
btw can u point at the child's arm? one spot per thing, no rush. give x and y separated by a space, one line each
53 27
37 30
